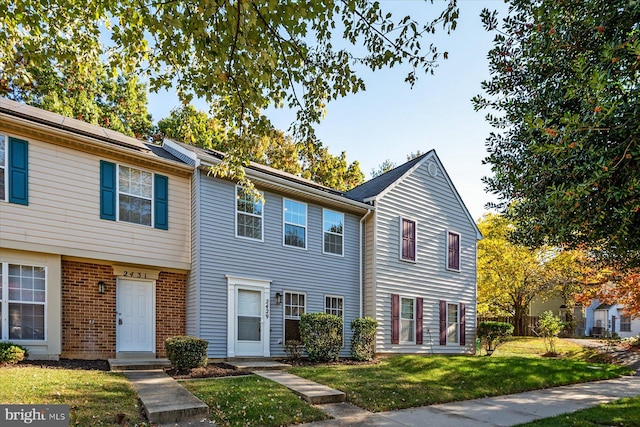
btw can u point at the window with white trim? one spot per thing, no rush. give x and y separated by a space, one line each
249 214
295 223
625 323
3 167
335 305
333 232
453 251
23 290
135 195
294 307
453 323
407 320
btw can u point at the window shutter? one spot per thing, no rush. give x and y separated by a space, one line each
108 190
454 251
161 202
18 171
462 324
408 239
395 319
419 320
443 322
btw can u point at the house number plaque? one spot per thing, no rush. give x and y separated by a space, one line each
266 308
135 273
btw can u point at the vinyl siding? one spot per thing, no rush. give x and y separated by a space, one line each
63 215
193 283
290 269
432 203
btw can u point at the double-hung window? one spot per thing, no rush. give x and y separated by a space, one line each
295 223
453 251
407 240
452 324
333 231
294 307
133 195
249 214
625 323
407 320
23 290
14 174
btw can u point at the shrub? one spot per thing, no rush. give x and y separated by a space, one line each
550 327
11 353
321 335
186 352
294 349
364 338
491 334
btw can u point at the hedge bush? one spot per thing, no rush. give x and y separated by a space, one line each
363 341
550 327
11 353
321 335
186 352
491 334
294 350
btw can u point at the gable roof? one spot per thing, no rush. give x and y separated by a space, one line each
267 176
377 187
91 137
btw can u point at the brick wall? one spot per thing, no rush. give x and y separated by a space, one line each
89 318
171 302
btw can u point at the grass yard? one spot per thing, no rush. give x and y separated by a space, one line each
252 400
94 397
623 412
409 381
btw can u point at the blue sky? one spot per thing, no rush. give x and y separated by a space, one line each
390 120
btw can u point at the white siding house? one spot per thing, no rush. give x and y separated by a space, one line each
420 260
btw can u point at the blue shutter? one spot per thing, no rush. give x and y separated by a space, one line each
161 202
108 190
18 171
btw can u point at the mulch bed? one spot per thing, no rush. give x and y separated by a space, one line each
213 370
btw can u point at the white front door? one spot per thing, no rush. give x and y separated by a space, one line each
135 317
248 331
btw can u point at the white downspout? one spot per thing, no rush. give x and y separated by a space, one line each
361 264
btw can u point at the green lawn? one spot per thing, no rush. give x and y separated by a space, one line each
94 397
624 412
252 400
409 381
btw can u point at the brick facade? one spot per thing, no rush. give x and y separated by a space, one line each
89 318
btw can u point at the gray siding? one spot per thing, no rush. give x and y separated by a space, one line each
432 203
291 269
193 285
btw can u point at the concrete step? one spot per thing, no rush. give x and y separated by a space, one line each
163 399
310 391
251 365
137 364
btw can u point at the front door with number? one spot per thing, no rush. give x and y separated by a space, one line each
135 317
249 322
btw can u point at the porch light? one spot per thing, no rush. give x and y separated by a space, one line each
278 298
102 287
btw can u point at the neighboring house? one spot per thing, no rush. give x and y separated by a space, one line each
419 260
94 238
258 264
556 304
603 320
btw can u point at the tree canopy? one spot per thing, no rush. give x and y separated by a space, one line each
244 56
564 98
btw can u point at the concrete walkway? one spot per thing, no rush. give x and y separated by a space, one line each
491 411
163 399
310 391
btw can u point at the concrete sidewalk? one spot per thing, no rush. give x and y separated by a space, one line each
506 410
